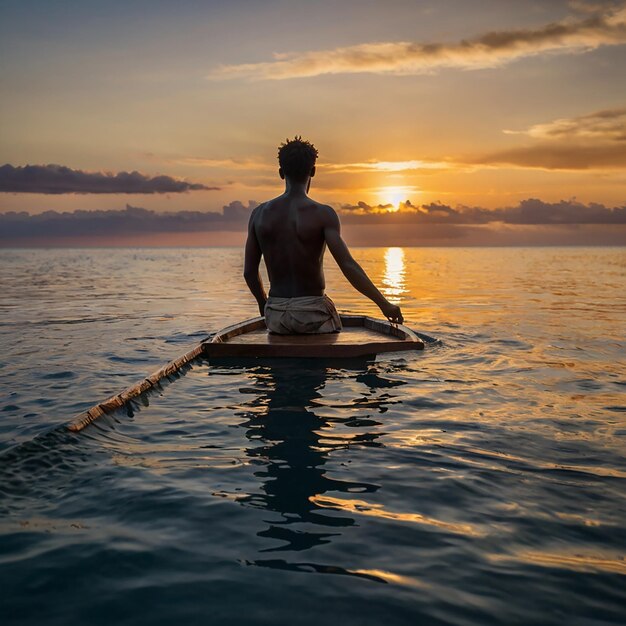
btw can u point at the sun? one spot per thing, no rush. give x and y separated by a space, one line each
394 196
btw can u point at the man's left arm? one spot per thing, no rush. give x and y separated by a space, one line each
252 260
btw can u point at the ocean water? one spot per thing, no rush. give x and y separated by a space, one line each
480 482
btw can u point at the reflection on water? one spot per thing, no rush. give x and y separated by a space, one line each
290 439
291 442
393 279
293 445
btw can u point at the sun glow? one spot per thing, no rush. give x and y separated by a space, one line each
394 196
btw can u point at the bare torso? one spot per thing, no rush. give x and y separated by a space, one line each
290 232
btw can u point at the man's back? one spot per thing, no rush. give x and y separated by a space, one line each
290 232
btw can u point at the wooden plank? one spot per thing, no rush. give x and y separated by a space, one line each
352 320
246 326
351 335
121 399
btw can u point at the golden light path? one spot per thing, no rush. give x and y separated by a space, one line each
394 284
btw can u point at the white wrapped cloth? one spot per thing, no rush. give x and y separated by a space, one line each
302 315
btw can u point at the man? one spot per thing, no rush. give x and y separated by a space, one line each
292 232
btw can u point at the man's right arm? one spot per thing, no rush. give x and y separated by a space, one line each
352 270
252 260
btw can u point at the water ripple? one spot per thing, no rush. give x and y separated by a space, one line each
480 482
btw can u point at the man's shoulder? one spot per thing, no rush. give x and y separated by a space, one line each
324 209
257 209
327 214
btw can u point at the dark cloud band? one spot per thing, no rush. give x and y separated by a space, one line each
82 223
58 179
234 217
529 212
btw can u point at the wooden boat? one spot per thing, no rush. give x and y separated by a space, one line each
360 336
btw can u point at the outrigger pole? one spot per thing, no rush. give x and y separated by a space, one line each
119 400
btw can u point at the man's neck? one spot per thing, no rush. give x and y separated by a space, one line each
293 188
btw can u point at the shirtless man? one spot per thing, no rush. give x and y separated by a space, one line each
292 232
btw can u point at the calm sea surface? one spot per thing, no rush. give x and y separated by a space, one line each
480 482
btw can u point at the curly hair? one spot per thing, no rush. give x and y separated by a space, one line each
297 158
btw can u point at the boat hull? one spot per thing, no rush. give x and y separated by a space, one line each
361 336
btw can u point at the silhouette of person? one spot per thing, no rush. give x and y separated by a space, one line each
291 232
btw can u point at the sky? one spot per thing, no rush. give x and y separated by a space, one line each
180 106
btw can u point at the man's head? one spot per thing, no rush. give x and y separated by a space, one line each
297 159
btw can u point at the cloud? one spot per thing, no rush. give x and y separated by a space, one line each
362 208
598 26
607 125
559 157
385 166
580 150
595 141
369 224
58 179
534 211
236 210
132 219
529 212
